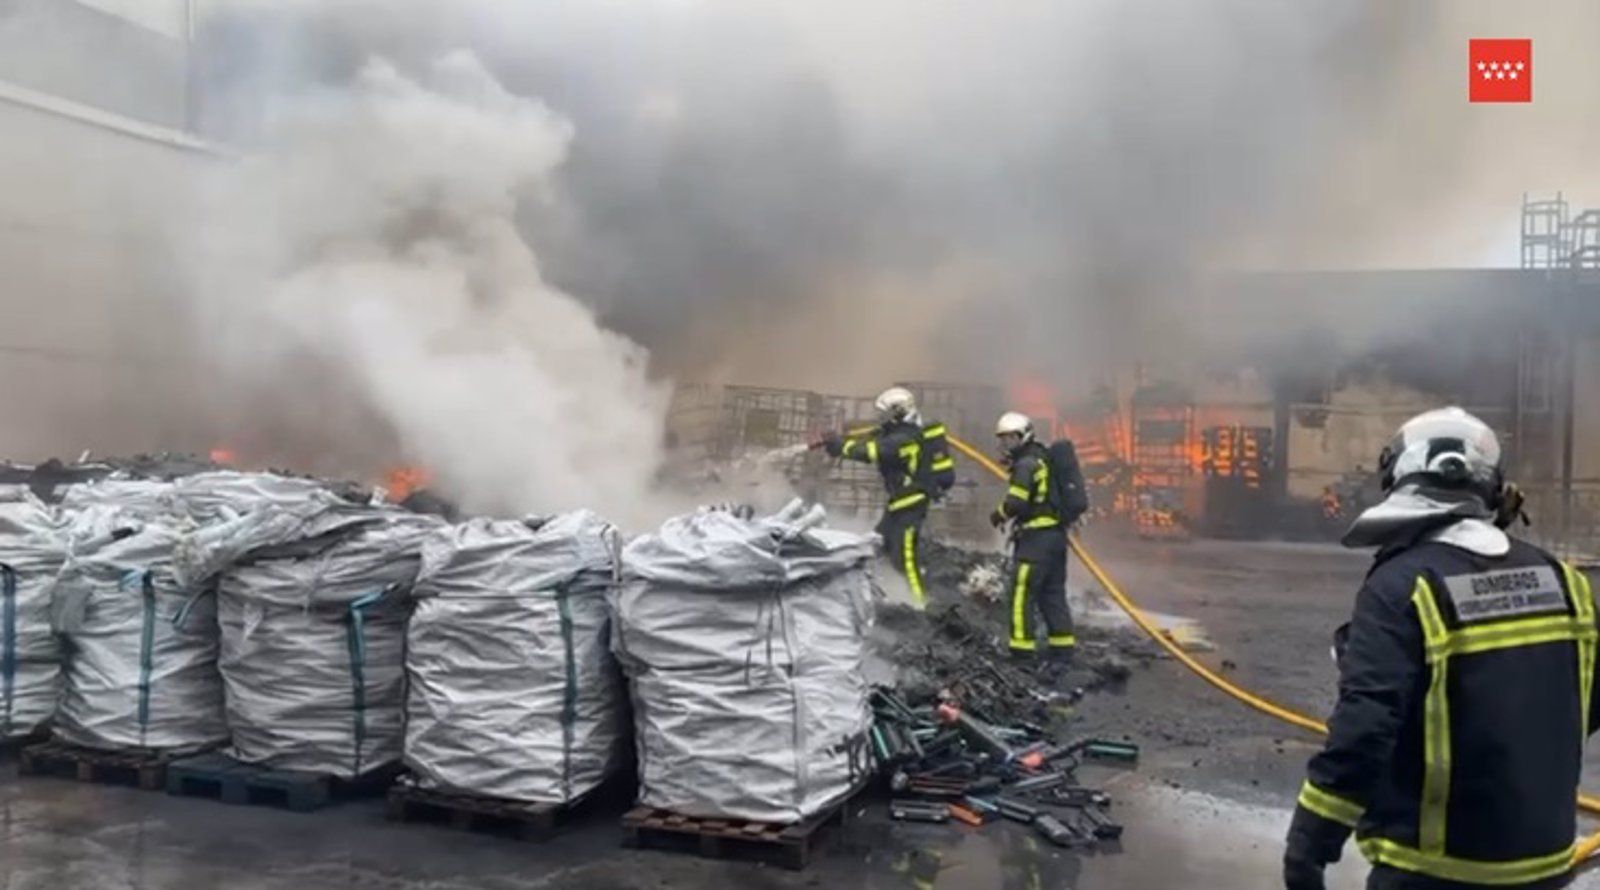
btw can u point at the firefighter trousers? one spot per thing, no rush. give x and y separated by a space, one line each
902 546
1039 582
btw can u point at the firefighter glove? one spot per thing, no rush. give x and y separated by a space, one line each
1302 874
1313 842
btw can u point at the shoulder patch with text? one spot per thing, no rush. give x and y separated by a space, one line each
1503 593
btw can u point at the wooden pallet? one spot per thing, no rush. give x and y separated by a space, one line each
490 815
137 768
219 777
787 846
12 747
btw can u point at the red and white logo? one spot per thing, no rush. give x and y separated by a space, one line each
1500 70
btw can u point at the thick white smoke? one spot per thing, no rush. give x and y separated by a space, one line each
372 235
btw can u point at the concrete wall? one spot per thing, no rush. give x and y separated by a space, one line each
166 17
134 66
1327 442
92 349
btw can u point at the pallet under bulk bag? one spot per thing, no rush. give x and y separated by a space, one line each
141 670
743 641
31 550
514 692
313 635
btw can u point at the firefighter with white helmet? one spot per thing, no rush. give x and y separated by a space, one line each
913 458
1038 507
1466 684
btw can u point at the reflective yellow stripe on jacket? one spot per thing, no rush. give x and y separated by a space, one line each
1037 495
1443 644
1583 604
1468 871
1435 722
1330 806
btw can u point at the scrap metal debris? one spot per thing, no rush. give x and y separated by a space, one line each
970 733
944 763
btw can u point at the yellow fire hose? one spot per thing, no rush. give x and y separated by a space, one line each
1587 802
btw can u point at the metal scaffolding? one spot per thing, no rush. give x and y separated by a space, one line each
1545 243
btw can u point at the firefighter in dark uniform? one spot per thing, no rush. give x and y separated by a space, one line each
1466 684
1039 544
914 461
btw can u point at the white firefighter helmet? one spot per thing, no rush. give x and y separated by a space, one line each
1014 423
1446 446
896 403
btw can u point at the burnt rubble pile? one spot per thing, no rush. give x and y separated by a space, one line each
957 647
950 570
957 651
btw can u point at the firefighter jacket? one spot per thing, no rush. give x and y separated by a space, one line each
914 460
1466 686
1027 504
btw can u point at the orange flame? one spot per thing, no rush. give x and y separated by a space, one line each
1035 398
223 455
402 482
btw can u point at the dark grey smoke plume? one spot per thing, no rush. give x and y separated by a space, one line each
832 194
825 194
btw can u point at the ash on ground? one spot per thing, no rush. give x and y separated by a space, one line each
956 647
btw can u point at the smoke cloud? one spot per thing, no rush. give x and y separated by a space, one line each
828 195
965 189
371 234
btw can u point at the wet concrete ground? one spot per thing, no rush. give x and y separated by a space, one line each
1206 809
56 835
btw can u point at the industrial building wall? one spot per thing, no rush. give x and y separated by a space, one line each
92 346
1328 442
128 57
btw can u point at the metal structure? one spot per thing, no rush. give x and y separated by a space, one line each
1554 238
754 419
1545 242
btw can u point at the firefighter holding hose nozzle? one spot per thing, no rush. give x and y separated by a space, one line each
1466 684
1044 496
914 460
